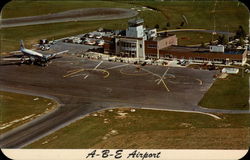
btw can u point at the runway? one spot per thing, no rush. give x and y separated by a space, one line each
86 14
81 95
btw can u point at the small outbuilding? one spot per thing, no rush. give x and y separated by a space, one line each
230 70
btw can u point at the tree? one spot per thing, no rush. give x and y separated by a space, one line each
168 24
240 33
157 26
182 24
222 40
240 42
202 45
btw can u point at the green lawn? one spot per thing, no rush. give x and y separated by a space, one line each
31 34
150 129
16 8
199 14
16 106
229 93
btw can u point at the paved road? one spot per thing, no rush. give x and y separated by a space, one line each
87 14
197 30
79 96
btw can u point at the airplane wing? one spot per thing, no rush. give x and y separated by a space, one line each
15 52
20 51
55 54
15 59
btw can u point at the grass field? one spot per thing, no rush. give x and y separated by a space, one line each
31 34
15 106
200 14
122 128
171 12
16 8
229 93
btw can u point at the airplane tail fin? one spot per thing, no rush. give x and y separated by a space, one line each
21 44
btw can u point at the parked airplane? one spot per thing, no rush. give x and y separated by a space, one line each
33 57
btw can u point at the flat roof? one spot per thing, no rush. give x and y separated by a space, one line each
201 50
158 38
124 37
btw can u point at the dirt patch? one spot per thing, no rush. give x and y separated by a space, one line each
222 75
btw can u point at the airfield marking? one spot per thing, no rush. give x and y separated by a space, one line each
78 75
86 76
133 74
98 65
151 72
199 81
172 110
118 66
165 86
73 72
160 78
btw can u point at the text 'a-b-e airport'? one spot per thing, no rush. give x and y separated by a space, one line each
104 86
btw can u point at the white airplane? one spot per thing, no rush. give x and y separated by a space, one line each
33 57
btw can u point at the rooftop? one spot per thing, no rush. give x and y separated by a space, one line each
200 50
158 38
135 21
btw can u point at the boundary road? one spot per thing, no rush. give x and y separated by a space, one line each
196 30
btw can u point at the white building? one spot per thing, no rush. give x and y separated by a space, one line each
135 28
218 48
132 45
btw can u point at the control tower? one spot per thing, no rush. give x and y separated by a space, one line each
135 28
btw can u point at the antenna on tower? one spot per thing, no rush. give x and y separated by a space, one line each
214 31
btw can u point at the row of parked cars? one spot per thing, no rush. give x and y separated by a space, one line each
44 44
88 39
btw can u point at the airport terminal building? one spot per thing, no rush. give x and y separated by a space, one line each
144 43
138 42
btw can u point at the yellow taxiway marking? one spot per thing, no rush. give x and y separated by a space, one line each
73 72
98 65
118 66
70 73
165 85
133 74
200 81
160 78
